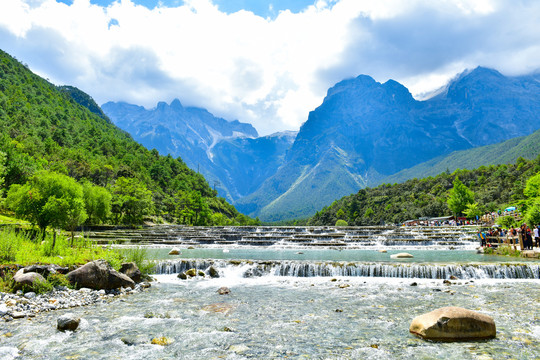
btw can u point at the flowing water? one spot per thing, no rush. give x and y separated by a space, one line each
306 303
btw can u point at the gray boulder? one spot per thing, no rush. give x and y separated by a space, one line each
453 324
132 270
46 270
99 275
68 322
26 279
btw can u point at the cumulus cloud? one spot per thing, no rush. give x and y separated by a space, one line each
267 71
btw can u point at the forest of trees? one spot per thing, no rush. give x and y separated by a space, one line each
100 174
482 190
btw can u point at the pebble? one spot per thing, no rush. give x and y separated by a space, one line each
19 305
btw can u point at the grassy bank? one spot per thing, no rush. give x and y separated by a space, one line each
18 247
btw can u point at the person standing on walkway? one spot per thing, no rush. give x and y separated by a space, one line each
536 235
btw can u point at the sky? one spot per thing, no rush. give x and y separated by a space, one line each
265 62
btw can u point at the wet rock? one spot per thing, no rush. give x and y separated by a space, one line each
191 272
452 277
338 310
224 290
453 324
68 322
383 251
414 284
201 273
447 282
99 275
174 252
132 270
227 329
22 279
3 309
401 256
182 276
212 271
163 341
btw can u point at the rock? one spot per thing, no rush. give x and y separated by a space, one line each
68 322
26 279
3 309
447 282
401 256
224 291
46 270
191 272
99 275
212 271
182 276
383 251
201 273
132 270
174 252
145 285
163 341
453 324
30 295
414 284
452 277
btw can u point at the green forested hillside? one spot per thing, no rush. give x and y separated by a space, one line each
43 127
501 153
494 187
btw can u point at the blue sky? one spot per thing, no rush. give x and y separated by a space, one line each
265 66
262 8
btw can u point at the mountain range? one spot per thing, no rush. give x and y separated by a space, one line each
362 134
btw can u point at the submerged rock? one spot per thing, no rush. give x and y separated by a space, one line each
453 324
68 322
401 256
174 252
224 290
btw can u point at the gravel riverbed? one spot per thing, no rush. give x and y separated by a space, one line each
24 305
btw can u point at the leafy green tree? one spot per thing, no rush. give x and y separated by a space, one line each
341 223
49 199
131 200
97 201
473 210
532 216
340 214
3 158
459 197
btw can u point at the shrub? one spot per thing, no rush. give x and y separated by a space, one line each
341 223
59 280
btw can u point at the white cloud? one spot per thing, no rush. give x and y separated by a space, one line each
270 72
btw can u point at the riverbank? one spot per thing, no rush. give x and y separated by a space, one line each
28 305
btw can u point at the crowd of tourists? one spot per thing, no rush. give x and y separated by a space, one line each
529 237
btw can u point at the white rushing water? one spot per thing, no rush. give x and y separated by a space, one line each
314 303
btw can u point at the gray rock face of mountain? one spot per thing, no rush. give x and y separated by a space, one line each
227 153
365 131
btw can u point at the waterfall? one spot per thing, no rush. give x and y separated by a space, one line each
327 269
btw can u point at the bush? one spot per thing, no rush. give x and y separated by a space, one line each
59 280
341 223
139 256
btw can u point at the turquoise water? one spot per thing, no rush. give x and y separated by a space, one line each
431 256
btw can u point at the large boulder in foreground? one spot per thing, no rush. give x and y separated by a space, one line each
99 275
453 324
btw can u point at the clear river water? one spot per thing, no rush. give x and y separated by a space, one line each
298 303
